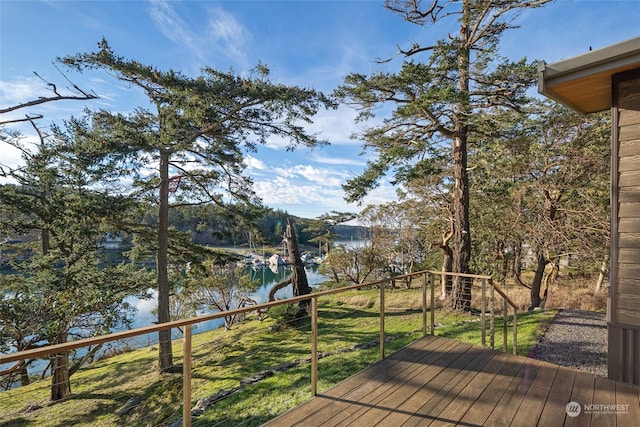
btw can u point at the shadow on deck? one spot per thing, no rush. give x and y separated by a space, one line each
439 381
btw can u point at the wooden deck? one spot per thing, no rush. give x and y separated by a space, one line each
438 381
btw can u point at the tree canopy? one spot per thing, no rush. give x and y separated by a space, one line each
61 288
197 132
436 97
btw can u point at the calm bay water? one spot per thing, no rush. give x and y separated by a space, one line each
144 316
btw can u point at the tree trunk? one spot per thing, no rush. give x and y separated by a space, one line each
537 281
517 259
502 256
87 357
60 384
276 288
603 273
447 262
447 280
298 275
551 277
165 360
336 278
462 237
24 375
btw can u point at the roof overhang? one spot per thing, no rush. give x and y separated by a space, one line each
583 83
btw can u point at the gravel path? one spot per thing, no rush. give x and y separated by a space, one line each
577 339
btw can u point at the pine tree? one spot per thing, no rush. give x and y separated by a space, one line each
198 129
436 94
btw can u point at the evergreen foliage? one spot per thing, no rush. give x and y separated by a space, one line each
60 289
198 129
436 97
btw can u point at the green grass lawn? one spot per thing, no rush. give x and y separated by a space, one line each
222 359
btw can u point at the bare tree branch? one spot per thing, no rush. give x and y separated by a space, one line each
76 94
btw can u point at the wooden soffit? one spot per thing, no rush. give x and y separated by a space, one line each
583 83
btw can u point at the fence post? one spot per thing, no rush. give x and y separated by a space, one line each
483 309
433 304
424 304
515 330
492 319
504 324
382 286
186 377
314 346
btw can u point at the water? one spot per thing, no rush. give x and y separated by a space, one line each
144 309
352 243
268 277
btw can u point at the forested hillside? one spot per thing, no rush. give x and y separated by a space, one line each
210 225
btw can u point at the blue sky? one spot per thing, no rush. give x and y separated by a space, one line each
307 43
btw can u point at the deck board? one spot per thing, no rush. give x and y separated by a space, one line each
555 406
434 362
536 396
514 394
488 399
627 394
338 405
605 391
432 410
583 387
389 401
437 381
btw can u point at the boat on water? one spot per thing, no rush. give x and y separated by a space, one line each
308 258
276 260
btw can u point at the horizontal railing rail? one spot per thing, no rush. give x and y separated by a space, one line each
427 285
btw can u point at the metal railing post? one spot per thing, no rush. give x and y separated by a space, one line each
186 377
433 304
504 325
424 304
515 330
314 346
483 309
382 286
492 319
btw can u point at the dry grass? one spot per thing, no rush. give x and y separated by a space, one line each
577 293
566 292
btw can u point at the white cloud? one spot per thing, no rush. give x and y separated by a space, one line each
20 90
11 157
339 161
230 34
332 126
172 25
253 163
310 200
326 177
335 126
306 190
385 193
281 190
222 35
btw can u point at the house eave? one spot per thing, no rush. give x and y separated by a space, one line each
583 82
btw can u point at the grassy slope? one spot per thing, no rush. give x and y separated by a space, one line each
222 359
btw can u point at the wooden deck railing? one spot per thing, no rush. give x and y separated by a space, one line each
428 295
